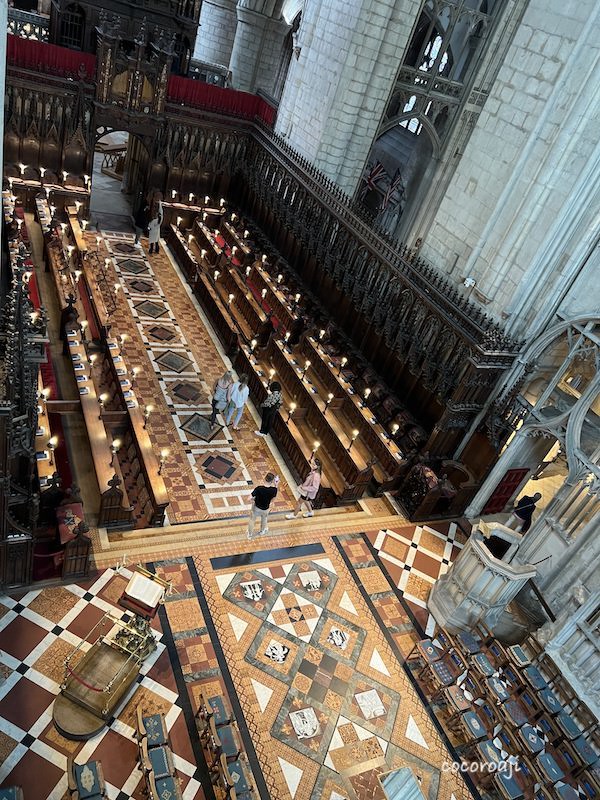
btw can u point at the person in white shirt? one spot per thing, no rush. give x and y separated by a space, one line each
237 398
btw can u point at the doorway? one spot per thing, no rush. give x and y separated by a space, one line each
118 180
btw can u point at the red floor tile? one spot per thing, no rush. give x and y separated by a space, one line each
85 621
25 703
118 756
20 637
36 776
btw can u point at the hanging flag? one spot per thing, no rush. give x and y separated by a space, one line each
395 184
375 175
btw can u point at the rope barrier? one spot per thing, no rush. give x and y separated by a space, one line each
80 680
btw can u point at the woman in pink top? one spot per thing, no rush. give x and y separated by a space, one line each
308 490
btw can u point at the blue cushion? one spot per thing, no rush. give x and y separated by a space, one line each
166 788
159 761
87 779
154 730
8 793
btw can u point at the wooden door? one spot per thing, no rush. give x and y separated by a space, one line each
504 490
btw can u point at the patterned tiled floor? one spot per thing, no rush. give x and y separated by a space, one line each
308 642
179 362
38 630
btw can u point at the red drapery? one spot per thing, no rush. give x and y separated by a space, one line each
222 101
49 58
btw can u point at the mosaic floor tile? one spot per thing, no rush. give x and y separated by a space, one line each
148 308
200 428
174 362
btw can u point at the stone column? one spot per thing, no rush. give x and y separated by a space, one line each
258 45
216 33
348 57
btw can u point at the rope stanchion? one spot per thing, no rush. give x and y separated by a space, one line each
81 681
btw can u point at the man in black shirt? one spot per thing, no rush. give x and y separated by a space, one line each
261 502
523 512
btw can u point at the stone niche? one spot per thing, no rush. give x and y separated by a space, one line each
481 583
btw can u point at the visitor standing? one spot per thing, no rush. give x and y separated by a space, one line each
237 398
262 497
523 513
220 393
269 409
154 234
308 490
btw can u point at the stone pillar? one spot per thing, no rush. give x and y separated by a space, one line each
258 45
218 21
348 57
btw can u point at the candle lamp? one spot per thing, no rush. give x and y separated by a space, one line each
343 363
83 325
64 175
352 440
216 274
264 259
42 172
22 168
191 197
106 263
51 447
173 194
230 298
321 334
45 395
123 338
253 344
271 376
77 205
179 221
147 411
233 217
365 398
204 216
53 211
246 234
191 238
263 294
164 454
134 373
216 232
77 275
92 362
286 338
206 199
395 428
279 278
328 402
101 401
291 411
222 202
248 271
70 249
117 288
114 449
10 184
316 446
84 224
297 298
63 227
87 180
306 366
234 250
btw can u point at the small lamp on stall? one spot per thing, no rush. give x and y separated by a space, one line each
114 449
286 338
297 298
291 411
271 376
179 221
366 394
230 297
84 224
234 250
316 446
279 278
52 447
65 173
395 428
263 294
42 172
216 274
45 395
93 358
306 366
164 454
173 194
63 227
52 210
87 180
134 373
202 253
233 217
117 288
253 344
222 202
101 401
204 216
246 233
264 258
248 271
22 169
77 274
322 334
70 250
206 199
343 363
191 197
78 205
147 411
328 402
352 440
83 325
191 238
123 337
106 263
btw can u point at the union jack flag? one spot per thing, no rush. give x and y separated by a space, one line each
395 183
375 175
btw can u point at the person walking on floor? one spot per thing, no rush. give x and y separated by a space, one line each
237 397
141 221
220 395
308 490
262 497
269 409
523 513
154 234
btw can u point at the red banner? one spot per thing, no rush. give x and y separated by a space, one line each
50 59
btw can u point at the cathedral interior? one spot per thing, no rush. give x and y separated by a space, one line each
330 266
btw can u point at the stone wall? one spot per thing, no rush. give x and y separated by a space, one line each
520 213
338 87
216 33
